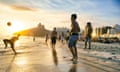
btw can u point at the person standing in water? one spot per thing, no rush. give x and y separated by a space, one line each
75 29
88 34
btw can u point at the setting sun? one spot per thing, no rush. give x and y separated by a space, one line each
16 26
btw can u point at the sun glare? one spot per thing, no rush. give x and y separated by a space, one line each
16 26
21 61
93 35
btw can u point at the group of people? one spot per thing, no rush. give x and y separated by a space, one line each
72 41
74 35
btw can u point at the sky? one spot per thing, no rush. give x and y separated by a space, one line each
24 14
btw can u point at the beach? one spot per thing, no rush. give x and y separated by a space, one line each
37 56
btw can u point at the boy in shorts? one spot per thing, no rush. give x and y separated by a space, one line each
75 29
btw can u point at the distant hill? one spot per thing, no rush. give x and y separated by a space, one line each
36 31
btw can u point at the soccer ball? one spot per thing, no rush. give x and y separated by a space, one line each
9 23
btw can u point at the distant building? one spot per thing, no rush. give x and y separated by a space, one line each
116 27
40 26
108 31
102 30
115 31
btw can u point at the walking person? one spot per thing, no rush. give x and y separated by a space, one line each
75 29
53 37
62 37
88 34
46 38
53 42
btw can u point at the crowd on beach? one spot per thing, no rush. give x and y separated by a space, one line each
70 38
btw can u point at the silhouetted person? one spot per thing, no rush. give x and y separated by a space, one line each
88 34
53 37
11 42
33 38
53 42
67 36
75 29
62 37
59 37
46 38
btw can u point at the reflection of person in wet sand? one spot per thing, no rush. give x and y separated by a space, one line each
54 53
10 66
53 42
11 42
73 68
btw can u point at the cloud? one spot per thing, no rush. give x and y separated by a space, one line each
99 12
8 1
22 8
9 7
19 5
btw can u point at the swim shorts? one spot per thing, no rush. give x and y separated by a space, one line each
72 41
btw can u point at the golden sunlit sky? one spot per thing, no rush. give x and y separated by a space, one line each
24 14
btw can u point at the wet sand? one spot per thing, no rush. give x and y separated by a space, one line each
39 57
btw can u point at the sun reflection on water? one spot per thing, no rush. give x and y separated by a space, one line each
22 61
